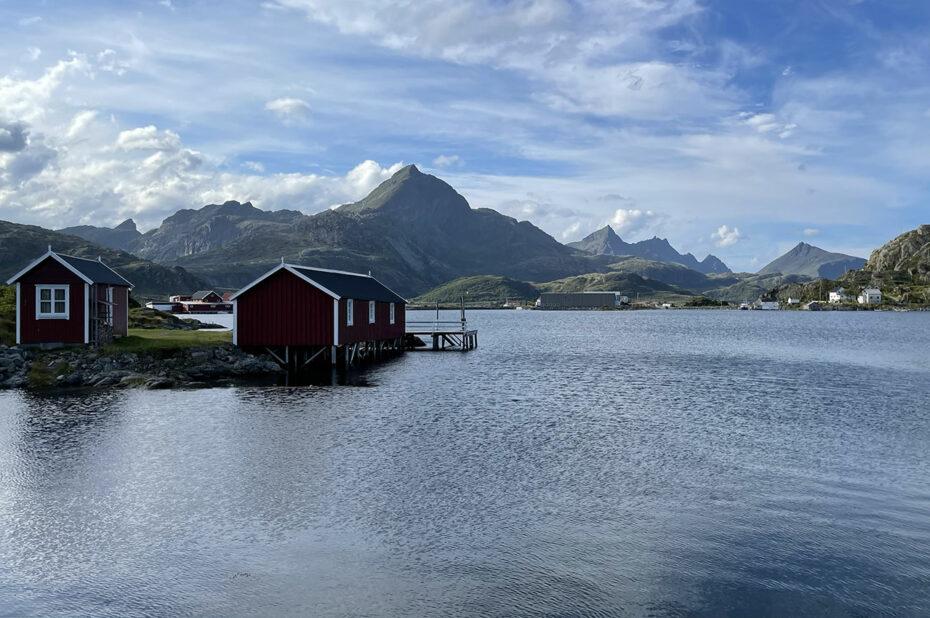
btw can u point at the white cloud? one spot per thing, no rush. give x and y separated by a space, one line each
289 110
71 168
726 237
148 138
571 231
29 21
448 161
632 220
767 123
26 100
584 57
811 232
80 122
32 54
107 61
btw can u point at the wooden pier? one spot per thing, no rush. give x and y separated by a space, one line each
444 334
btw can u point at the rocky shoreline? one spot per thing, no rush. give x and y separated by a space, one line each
88 367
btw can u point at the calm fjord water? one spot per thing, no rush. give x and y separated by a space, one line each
576 464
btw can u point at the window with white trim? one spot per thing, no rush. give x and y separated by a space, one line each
392 313
52 302
350 312
371 312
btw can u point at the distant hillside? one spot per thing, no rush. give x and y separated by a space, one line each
21 244
749 287
606 242
666 272
900 269
628 284
413 232
484 289
805 259
123 237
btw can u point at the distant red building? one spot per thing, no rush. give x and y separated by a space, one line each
62 299
202 301
310 307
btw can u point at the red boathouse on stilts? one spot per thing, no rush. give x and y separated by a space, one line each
301 314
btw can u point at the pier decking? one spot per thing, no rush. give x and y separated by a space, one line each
444 334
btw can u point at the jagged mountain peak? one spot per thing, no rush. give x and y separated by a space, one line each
410 193
812 261
127 226
606 241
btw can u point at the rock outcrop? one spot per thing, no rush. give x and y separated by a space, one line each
909 254
84 367
13 367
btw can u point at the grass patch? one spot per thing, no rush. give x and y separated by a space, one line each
42 376
7 331
7 315
145 340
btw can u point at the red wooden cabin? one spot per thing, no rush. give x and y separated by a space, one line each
62 299
301 307
206 296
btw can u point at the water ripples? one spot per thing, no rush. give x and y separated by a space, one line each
576 464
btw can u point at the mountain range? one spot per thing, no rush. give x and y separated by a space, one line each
606 242
415 232
20 244
123 237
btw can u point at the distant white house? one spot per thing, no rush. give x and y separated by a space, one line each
870 296
794 301
838 295
766 302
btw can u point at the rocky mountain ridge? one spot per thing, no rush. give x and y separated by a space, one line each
606 242
20 244
124 236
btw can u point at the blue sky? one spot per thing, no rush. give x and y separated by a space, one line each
737 127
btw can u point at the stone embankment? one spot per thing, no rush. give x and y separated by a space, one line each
81 367
14 366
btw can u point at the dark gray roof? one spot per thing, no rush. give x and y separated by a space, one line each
350 285
201 294
96 271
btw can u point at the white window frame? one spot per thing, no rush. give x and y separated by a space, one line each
371 312
110 305
53 315
350 312
392 313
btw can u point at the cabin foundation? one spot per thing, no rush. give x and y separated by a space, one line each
300 359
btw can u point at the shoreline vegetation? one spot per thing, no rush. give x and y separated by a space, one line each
161 350
146 358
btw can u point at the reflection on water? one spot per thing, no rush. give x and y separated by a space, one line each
638 463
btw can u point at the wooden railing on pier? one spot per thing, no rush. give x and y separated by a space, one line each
444 334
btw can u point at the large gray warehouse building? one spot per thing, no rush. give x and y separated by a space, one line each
581 300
